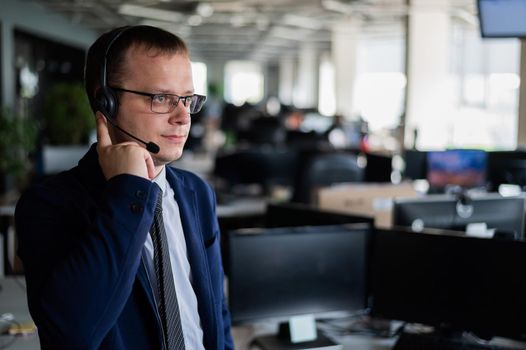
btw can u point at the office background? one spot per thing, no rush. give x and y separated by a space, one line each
302 95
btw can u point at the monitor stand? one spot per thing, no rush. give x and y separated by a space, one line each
275 342
298 333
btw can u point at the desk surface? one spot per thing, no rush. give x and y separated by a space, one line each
13 301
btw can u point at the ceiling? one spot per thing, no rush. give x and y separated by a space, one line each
261 30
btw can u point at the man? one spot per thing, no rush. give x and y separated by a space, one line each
85 236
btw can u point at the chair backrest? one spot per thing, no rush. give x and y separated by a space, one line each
325 169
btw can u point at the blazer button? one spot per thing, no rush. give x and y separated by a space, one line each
140 194
136 208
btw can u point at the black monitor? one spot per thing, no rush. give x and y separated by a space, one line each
456 283
504 215
506 167
502 18
278 273
299 214
262 166
415 164
378 167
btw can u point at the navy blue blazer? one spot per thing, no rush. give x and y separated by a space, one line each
81 240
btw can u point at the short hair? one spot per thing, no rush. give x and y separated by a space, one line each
144 36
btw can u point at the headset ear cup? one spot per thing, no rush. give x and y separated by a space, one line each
107 102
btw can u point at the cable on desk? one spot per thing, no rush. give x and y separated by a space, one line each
362 324
10 320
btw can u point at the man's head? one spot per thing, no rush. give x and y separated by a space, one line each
150 38
143 66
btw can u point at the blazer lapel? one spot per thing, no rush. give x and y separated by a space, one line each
187 201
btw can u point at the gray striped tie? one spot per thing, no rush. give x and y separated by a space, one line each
167 305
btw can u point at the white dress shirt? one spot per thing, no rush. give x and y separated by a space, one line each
186 298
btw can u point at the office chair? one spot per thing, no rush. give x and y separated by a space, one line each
322 170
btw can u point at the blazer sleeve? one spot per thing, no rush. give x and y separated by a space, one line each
81 256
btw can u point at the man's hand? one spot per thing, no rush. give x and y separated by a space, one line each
122 158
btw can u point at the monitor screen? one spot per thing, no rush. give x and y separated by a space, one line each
465 168
378 168
299 214
461 283
506 167
502 18
415 164
283 272
505 214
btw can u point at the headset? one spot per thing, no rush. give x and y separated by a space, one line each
106 100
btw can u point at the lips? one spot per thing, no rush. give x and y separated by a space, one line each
175 138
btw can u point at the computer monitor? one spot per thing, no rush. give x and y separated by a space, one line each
502 18
505 215
378 168
415 164
262 166
462 167
278 273
299 214
458 283
506 167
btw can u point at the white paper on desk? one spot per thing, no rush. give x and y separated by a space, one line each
479 229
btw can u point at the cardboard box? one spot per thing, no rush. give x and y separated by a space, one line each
365 199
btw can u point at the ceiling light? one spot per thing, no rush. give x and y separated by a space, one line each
237 21
195 20
302 22
204 9
148 12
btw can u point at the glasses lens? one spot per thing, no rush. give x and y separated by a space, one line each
167 103
196 103
162 103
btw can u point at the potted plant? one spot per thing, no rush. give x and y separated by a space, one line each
68 123
18 137
68 119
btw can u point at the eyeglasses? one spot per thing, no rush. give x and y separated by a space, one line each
166 103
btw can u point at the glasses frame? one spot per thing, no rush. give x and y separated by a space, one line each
186 99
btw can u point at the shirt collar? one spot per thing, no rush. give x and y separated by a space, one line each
161 181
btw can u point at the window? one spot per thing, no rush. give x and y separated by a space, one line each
484 91
199 75
244 82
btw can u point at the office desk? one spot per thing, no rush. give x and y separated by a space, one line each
13 300
244 334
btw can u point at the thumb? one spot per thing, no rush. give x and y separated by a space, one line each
103 136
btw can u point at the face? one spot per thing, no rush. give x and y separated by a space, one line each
148 71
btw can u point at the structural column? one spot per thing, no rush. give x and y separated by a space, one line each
7 68
345 37
306 87
428 60
286 79
521 137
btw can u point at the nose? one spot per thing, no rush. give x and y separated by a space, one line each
180 115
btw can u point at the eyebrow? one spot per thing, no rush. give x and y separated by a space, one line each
168 92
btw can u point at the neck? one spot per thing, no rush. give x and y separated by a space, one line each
158 169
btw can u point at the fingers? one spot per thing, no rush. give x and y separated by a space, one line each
103 136
121 158
149 165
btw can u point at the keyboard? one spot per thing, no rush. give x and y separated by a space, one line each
431 341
